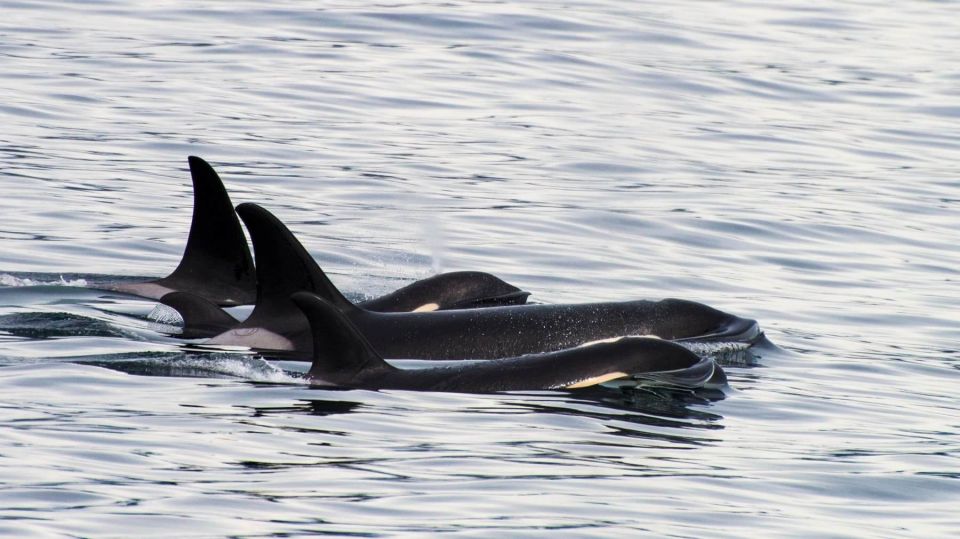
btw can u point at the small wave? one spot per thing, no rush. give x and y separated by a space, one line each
164 314
714 348
12 281
165 319
695 376
248 368
730 354
256 369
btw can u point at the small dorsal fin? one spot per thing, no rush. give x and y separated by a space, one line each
283 265
201 317
341 354
216 263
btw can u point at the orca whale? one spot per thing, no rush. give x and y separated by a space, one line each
203 318
451 290
217 265
216 262
284 267
343 357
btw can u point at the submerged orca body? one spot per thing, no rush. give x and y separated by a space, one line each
343 357
284 267
217 266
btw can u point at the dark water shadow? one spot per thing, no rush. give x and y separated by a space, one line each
310 407
49 325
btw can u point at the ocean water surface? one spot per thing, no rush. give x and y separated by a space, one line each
792 163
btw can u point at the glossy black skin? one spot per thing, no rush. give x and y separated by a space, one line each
343 357
511 331
216 263
452 290
203 318
285 267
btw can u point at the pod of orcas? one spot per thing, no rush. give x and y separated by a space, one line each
217 266
300 314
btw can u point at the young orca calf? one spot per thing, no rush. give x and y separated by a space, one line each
284 267
217 265
451 290
343 357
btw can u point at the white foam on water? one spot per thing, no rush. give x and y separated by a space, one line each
12 281
713 348
251 368
166 315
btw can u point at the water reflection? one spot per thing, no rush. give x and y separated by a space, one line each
319 407
635 410
49 325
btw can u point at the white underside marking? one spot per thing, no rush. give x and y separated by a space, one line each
615 339
597 380
426 308
252 338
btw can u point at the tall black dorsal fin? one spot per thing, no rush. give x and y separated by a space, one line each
201 317
341 354
283 268
216 263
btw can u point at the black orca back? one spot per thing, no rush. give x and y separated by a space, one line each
216 263
453 290
285 267
342 356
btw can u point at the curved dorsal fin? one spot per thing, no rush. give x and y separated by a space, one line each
216 263
283 268
283 265
341 354
201 317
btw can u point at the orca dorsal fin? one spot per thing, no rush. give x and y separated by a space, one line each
283 267
216 263
341 354
201 317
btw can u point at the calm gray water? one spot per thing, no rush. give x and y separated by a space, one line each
794 164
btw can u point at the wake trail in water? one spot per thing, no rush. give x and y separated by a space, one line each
12 281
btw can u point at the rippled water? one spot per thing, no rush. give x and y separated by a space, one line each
794 163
